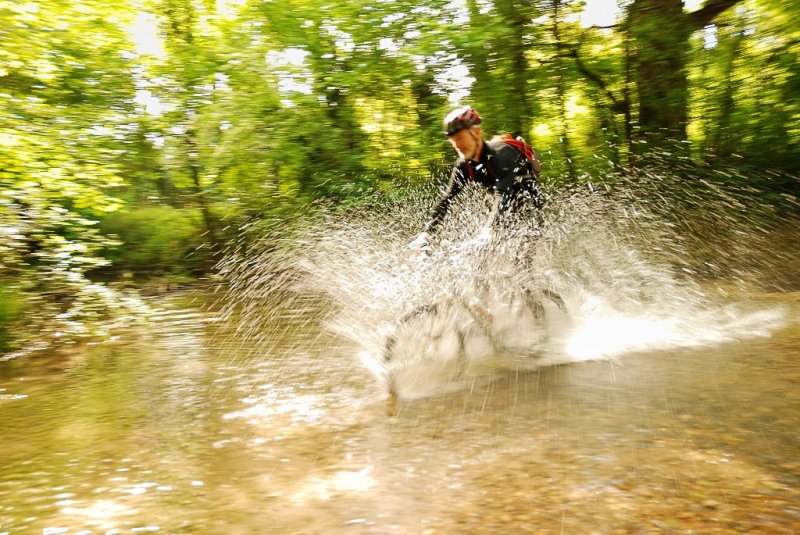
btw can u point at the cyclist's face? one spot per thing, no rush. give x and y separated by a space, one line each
467 142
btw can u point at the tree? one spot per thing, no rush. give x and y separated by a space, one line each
65 100
660 30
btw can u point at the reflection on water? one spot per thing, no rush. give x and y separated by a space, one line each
169 432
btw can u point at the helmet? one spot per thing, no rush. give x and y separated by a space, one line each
460 119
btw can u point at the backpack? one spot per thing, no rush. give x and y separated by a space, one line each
533 162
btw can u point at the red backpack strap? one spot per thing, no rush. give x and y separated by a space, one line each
519 144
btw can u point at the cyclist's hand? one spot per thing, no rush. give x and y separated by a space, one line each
420 243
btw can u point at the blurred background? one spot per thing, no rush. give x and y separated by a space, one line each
138 138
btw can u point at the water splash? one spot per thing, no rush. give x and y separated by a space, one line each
635 265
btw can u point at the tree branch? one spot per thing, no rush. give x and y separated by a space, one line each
703 16
599 27
583 69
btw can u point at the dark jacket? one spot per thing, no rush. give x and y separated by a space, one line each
502 170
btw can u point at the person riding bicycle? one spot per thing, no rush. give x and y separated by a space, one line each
500 164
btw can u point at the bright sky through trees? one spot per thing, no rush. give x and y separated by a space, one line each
147 42
599 13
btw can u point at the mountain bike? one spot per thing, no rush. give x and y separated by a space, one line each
495 321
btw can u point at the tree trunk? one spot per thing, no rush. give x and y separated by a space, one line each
200 194
428 103
661 37
476 56
722 136
515 17
497 60
562 92
628 101
660 31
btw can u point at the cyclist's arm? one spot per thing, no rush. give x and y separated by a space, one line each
497 208
443 205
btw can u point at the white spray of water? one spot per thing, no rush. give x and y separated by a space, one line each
596 279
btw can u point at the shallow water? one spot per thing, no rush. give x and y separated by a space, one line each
169 431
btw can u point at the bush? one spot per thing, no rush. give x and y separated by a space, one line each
155 239
11 302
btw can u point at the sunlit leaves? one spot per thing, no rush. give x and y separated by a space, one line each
746 97
65 95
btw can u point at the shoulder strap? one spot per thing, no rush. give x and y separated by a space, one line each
520 144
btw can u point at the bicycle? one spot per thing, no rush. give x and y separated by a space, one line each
497 322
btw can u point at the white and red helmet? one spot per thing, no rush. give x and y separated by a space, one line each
460 119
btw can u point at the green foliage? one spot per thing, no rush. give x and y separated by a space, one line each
155 239
11 304
203 117
746 92
65 87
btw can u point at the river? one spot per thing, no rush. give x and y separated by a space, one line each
168 430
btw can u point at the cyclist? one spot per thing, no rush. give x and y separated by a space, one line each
500 164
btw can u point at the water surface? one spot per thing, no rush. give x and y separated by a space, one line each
166 430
